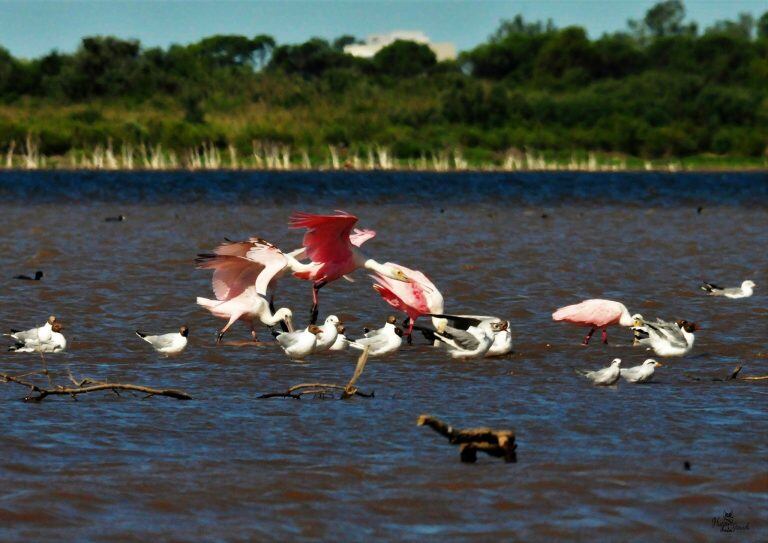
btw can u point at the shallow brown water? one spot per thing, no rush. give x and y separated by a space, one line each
593 463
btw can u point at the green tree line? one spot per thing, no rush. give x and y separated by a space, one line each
661 88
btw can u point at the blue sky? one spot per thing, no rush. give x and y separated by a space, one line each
29 28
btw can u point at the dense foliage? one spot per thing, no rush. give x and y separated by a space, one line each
662 88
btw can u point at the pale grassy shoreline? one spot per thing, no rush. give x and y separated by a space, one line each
265 156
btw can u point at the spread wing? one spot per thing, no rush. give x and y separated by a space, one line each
358 236
273 261
669 332
460 339
327 236
461 322
238 265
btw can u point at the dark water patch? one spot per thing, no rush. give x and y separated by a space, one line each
446 189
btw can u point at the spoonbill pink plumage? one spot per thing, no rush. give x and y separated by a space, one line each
332 253
595 313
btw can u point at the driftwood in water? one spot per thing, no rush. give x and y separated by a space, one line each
732 376
498 443
37 393
327 389
718 376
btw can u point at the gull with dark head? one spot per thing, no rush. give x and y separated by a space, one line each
299 343
171 343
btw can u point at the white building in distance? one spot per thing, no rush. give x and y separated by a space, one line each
376 42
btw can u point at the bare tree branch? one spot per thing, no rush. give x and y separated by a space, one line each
327 389
38 393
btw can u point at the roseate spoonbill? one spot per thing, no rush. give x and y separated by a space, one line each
243 271
596 314
502 339
171 343
331 253
744 291
381 341
56 344
642 373
41 334
38 275
474 342
328 333
415 298
604 377
665 340
300 343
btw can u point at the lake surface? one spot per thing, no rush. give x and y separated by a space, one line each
593 463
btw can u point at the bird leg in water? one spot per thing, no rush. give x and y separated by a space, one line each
589 336
313 314
45 368
253 331
605 336
409 334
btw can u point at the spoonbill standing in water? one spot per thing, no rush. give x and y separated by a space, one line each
595 314
242 273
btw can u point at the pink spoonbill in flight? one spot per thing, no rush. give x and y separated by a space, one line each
595 314
332 253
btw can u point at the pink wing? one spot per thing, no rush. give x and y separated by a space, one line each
232 271
272 260
358 236
594 312
416 298
327 237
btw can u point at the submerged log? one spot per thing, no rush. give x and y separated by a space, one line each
37 393
496 443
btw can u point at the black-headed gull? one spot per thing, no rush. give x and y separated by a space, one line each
381 341
474 342
502 338
55 344
606 376
667 340
171 343
642 373
327 335
342 342
744 291
41 334
299 343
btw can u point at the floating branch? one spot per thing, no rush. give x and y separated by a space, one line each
719 376
327 389
38 393
498 443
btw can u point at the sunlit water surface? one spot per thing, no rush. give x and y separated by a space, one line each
593 463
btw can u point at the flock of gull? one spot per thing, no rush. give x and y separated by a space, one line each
246 274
